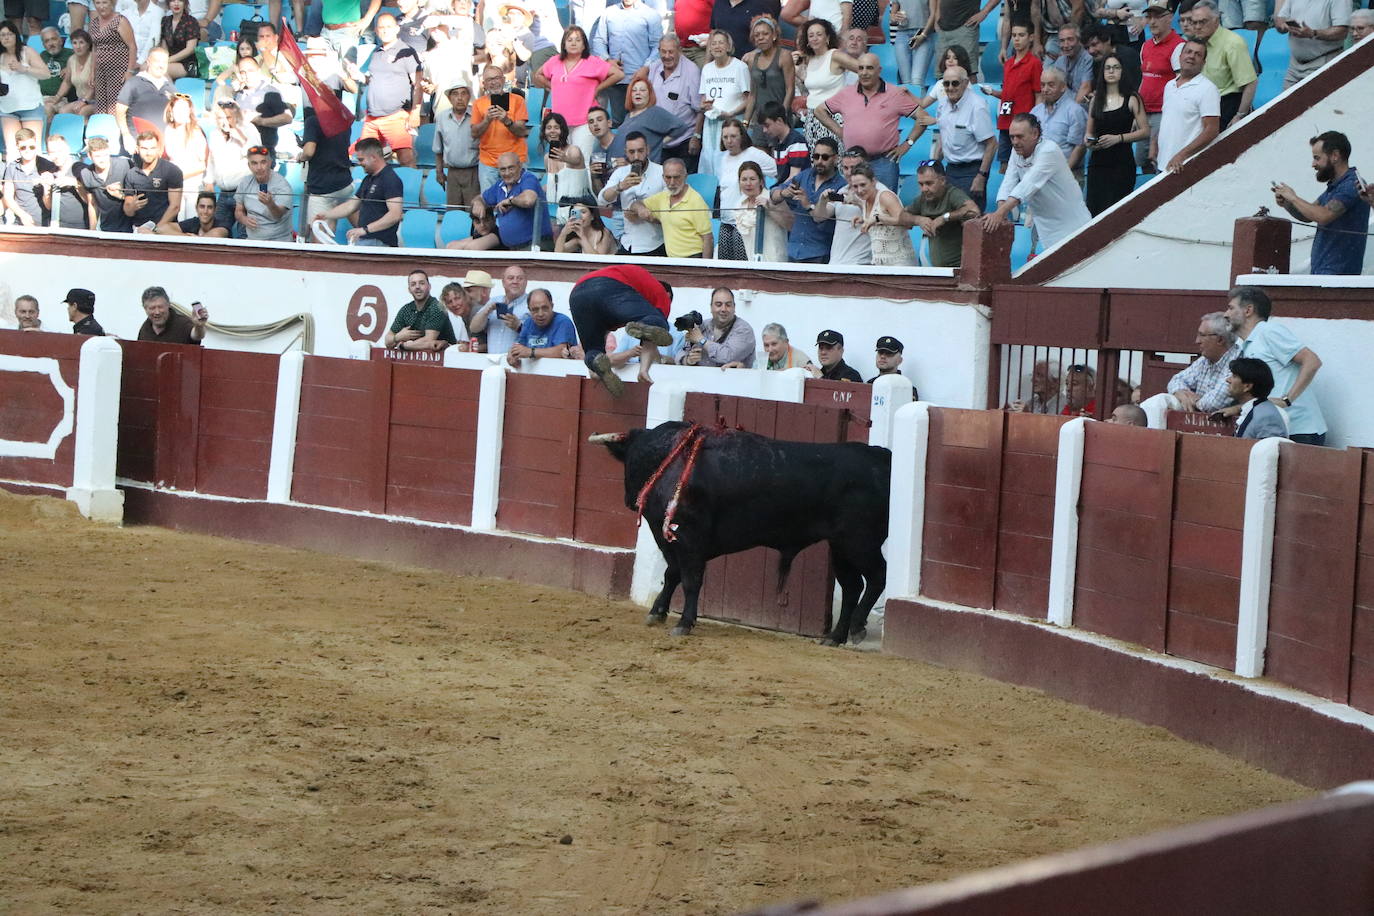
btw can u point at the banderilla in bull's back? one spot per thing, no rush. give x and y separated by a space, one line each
710 491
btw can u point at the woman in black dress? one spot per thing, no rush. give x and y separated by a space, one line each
1116 120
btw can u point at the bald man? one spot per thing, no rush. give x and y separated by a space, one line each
872 110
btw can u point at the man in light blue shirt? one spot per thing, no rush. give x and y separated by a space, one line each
628 32
1062 121
1075 63
1294 366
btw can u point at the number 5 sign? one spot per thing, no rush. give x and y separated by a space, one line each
367 314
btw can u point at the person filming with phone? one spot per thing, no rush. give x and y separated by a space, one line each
165 324
263 200
1341 212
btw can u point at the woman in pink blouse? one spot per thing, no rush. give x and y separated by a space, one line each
574 78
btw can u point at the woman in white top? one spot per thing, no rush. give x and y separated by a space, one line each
738 149
823 69
184 144
22 106
565 171
890 243
747 220
724 95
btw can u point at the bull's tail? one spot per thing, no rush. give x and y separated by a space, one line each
785 558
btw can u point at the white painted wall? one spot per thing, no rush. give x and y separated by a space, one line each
946 343
1186 243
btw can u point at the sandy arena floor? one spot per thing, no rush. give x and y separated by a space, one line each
194 725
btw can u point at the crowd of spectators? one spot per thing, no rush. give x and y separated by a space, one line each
695 132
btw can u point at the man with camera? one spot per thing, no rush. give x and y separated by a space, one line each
632 182
726 342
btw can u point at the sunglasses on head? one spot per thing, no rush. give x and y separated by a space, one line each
259 151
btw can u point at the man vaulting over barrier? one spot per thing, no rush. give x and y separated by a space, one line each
628 296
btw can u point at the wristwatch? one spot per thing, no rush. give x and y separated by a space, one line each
1287 402
945 216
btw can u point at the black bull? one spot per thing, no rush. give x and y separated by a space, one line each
744 490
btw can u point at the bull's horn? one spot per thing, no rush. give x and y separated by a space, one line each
607 437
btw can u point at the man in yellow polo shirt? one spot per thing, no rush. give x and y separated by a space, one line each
681 211
1228 60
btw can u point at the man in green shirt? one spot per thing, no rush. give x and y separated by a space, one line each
55 57
939 211
422 324
1228 66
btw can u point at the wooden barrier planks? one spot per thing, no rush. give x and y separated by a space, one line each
341 437
850 396
1312 588
139 394
742 587
1025 519
1362 629
539 455
1204 556
599 514
31 408
432 444
1124 526
238 397
963 490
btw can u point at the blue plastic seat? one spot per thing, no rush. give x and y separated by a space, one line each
104 125
534 103
72 127
1020 248
418 227
908 190
193 86
424 146
706 186
887 59
233 14
411 182
456 225
433 194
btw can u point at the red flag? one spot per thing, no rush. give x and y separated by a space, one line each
334 118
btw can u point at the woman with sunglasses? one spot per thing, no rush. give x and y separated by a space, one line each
185 144
1116 121
180 35
22 106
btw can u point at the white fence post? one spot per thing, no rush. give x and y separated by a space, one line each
890 394
97 431
360 349
1156 406
1256 557
491 425
1068 482
286 417
907 500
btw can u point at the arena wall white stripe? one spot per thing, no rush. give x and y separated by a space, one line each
491 424
907 500
1257 553
41 365
890 394
97 431
290 371
1064 553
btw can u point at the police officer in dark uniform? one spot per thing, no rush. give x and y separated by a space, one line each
830 355
81 312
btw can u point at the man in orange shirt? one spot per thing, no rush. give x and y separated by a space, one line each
500 122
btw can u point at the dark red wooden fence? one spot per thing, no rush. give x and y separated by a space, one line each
31 408
963 493
1025 522
1362 629
432 442
741 587
539 455
600 515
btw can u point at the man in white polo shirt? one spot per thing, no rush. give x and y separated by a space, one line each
1039 177
968 136
1192 111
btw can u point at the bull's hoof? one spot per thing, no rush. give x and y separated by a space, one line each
680 630
858 636
655 620
831 641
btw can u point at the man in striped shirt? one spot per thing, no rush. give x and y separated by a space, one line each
788 144
1202 386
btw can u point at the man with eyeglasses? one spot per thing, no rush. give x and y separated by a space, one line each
809 241
1202 386
1159 61
872 111
1039 177
1228 64
968 138
261 102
